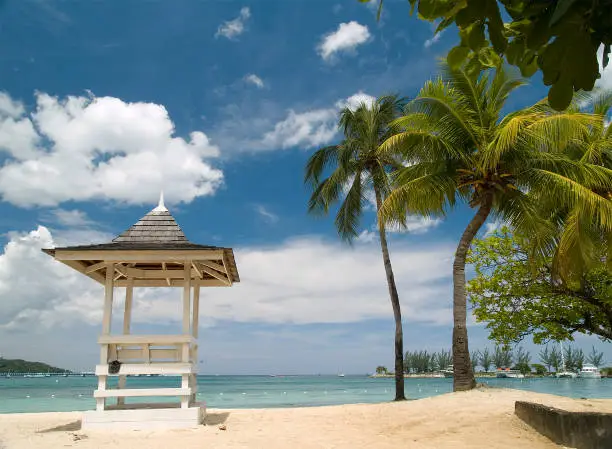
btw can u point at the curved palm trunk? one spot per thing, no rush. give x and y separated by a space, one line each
463 377
397 314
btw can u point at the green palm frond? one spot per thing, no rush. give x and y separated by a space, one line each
349 215
573 194
319 161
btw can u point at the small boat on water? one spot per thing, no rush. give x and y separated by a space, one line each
448 372
566 375
340 374
508 373
589 371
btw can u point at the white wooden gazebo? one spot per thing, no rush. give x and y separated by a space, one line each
152 253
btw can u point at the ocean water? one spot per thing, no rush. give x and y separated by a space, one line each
45 394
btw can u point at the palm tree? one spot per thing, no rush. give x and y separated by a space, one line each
581 238
458 147
359 169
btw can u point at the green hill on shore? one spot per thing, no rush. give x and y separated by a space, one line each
23 366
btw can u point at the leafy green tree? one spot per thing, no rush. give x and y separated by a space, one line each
381 370
595 357
485 359
358 168
443 359
474 358
539 369
555 358
503 357
458 148
544 356
517 297
408 365
523 359
560 38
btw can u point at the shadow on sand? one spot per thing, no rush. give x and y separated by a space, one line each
70 427
214 419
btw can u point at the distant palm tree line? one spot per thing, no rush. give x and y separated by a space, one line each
534 169
423 361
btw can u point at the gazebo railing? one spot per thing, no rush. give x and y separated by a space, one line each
168 355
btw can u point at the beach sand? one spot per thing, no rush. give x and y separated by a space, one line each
481 418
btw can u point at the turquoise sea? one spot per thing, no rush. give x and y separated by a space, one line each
45 394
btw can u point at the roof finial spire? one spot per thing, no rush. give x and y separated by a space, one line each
161 207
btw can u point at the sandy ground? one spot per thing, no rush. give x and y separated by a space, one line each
477 419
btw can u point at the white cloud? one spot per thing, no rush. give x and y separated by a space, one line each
605 82
356 100
255 80
491 227
9 107
36 289
347 37
305 280
266 214
81 149
307 129
71 218
416 224
234 28
435 38
312 128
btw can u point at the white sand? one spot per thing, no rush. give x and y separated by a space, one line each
477 419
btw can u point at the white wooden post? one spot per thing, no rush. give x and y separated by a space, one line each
127 315
127 321
108 299
186 298
106 328
194 352
185 380
196 309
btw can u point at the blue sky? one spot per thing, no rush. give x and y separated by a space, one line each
219 104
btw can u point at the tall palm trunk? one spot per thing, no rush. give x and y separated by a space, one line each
397 314
463 377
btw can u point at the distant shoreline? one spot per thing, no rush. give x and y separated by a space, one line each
432 376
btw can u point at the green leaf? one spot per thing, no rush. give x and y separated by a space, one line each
412 5
489 58
445 24
560 94
476 36
561 9
495 26
529 64
456 56
515 51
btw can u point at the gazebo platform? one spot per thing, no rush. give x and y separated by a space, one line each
145 416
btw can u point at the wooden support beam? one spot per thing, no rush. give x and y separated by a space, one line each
173 283
127 314
153 255
216 275
197 270
82 266
187 297
108 300
196 314
95 267
213 265
229 276
121 269
164 268
158 274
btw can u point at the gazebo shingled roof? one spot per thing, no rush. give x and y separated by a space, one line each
157 232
